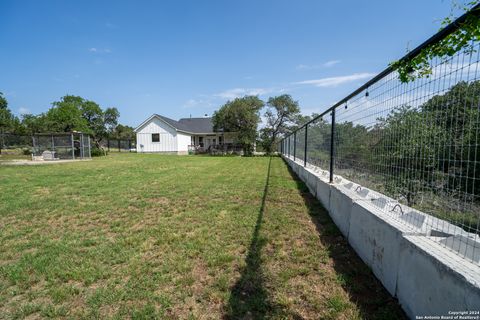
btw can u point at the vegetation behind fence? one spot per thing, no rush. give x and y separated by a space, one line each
416 141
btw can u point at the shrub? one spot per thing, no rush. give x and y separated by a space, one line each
97 152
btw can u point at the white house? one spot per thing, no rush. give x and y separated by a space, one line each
165 135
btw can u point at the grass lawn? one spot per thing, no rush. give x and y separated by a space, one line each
150 236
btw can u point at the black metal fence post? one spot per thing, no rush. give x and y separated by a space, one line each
108 145
332 145
118 143
305 153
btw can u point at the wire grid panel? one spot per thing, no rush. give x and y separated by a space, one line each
42 143
318 142
290 145
418 143
9 141
300 144
62 145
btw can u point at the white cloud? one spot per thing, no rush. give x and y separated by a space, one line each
331 63
98 50
303 67
190 103
336 81
327 64
202 102
23 110
240 92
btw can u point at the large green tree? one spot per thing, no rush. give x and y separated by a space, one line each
240 116
123 132
66 116
8 121
281 112
74 113
32 124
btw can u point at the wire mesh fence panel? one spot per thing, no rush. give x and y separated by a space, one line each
125 145
11 143
47 146
41 143
290 145
318 142
412 148
418 144
300 144
118 145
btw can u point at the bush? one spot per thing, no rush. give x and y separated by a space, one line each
26 151
98 152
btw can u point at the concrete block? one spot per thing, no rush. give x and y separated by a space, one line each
417 257
376 241
311 181
341 205
323 193
433 281
301 173
466 246
296 168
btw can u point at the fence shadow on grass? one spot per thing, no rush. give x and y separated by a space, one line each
249 298
364 290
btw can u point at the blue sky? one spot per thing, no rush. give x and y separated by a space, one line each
180 58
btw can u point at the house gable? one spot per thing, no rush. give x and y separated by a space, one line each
167 136
155 121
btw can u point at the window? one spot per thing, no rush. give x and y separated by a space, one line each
200 141
155 137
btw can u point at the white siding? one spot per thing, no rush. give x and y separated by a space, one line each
183 140
168 137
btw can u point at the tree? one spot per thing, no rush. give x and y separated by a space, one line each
8 122
240 116
281 112
110 119
66 116
122 132
462 39
74 113
33 124
3 101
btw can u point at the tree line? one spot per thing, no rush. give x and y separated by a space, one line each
70 113
242 117
432 148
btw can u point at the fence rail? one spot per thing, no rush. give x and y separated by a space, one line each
416 143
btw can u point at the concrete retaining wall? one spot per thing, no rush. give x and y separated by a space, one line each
404 251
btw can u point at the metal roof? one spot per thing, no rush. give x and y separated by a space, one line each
189 125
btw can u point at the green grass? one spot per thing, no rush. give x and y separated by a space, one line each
149 236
